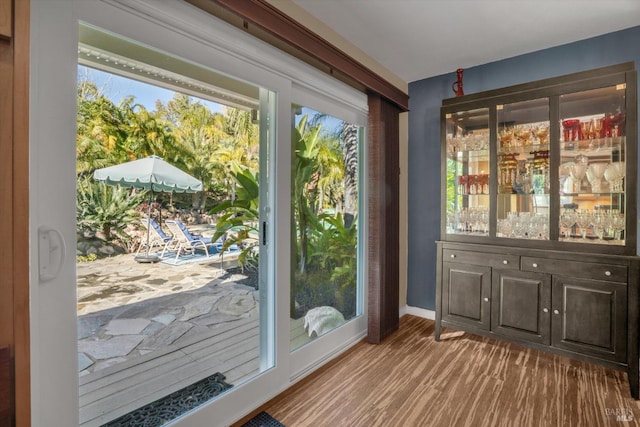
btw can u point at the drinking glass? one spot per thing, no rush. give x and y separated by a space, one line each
618 225
577 172
595 172
584 221
566 222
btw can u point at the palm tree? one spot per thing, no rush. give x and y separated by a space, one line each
198 132
329 172
244 133
147 132
305 141
350 156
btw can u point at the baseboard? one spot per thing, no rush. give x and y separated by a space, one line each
417 311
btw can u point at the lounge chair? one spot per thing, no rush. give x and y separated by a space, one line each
188 242
157 237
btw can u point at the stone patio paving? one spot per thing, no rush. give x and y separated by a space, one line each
127 309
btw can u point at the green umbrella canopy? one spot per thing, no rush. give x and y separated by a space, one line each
151 173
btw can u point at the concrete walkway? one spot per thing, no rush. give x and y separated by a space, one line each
127 309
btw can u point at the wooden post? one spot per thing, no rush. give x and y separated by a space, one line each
6 388
383 186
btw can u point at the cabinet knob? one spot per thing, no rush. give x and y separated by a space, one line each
607 273
486 299
505 262
534 265
546 310
556 312
453 255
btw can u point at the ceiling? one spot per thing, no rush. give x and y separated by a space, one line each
416 39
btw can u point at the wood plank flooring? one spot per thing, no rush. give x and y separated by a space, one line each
464 380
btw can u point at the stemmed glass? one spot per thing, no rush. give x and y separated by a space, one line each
585 130
595 172
618 225
578 170
614 174
463 217
584 221
567 220
599 225
539 228
596 128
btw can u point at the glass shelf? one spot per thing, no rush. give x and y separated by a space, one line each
523 148
514 167
592 165
468 167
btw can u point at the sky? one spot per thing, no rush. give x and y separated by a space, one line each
116 88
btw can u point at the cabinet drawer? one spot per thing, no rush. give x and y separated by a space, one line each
585 270
503 261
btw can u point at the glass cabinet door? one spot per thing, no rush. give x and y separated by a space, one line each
467 179
522 201
592 166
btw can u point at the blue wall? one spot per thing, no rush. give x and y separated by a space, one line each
425 99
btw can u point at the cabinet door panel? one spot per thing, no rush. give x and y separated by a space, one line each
466 294
590 317
520 305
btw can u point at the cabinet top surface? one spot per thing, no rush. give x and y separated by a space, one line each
540 84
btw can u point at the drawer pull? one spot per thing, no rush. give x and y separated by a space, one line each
453 255
486 299
556 312
607 273
505 262
534 265
546 310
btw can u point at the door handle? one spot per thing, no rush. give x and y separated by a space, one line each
264 233
51 253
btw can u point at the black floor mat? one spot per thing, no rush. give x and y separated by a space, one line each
167 408
263 420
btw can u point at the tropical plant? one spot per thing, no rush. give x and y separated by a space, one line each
333 249
325 239
452 201
305 141
350 158
239 221
147 133
109 134
100 137
106 209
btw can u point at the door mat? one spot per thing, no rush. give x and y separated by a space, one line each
167 408
263 420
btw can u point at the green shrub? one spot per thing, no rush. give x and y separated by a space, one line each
87 258
106 209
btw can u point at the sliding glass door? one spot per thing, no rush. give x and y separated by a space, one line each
174 296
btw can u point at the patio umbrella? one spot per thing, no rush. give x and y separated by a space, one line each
150 173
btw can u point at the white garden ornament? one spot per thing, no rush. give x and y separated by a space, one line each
322 319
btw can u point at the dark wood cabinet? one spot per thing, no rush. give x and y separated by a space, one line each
465 294
521 304
539 216
590 317
550 300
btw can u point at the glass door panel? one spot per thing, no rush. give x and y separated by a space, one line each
592 166
172 279
468 184
523 170
326 166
